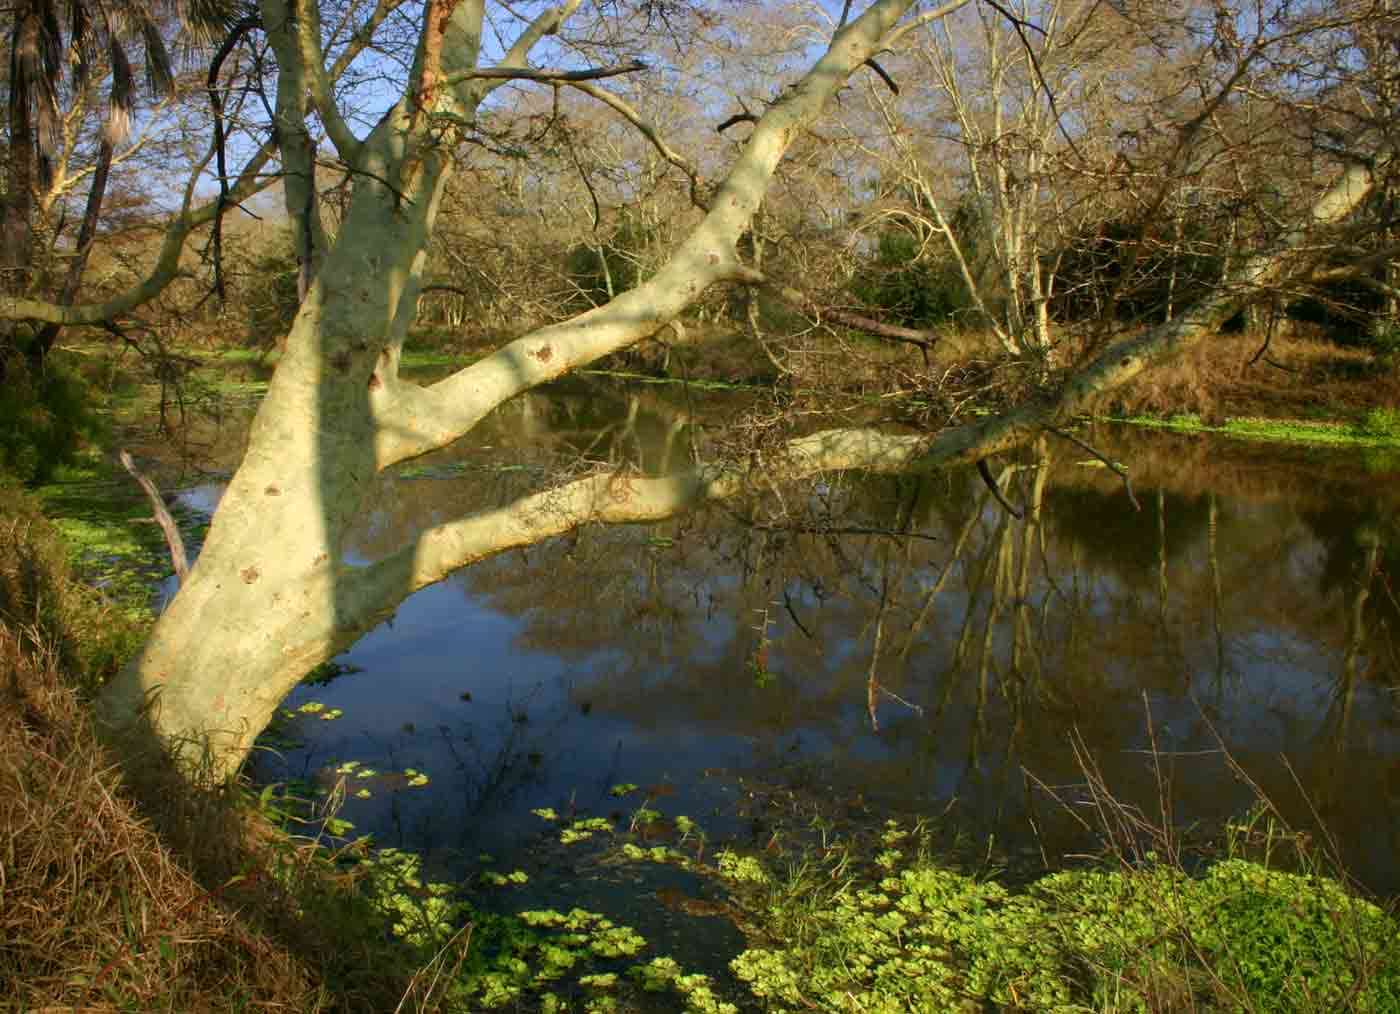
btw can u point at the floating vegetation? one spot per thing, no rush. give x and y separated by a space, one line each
1381 428
876 923
581 830
328 672
503 879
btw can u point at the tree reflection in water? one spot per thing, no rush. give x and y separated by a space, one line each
906 638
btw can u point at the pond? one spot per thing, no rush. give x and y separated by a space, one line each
900 645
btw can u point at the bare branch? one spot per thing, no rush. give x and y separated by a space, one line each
307 37
744 117
216 102
884 75
628 113
926 18
923 340
418 420
533 74
163 518
250 182
621 499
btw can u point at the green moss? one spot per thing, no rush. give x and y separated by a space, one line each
110 537
1381 422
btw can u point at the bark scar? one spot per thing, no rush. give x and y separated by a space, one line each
544 353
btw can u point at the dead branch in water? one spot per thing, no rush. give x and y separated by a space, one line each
163 517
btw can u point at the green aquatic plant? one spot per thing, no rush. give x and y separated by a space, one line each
1380 428
897 935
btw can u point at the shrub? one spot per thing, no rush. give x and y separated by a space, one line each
271 294
914 291
44 418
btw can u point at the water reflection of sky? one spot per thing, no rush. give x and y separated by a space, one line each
618 657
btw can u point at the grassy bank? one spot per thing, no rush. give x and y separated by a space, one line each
1300 388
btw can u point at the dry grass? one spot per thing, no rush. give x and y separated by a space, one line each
95 911
121 888
1300 376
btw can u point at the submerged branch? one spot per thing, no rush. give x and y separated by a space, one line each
986 473
1122 472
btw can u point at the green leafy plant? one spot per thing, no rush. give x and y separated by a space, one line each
900 935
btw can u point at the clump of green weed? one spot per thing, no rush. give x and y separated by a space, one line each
1381 422
545 957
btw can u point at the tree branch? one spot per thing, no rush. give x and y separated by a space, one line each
167 265
924 340
613 498
173 541
622 108
307 37
1113 465
418 420
985 471
534 74
928 17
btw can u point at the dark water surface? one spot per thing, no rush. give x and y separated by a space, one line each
1251 603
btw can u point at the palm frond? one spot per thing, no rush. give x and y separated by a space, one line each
82 43
123 97
160 77
35 62
205 20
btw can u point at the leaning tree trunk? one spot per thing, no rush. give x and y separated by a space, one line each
269 596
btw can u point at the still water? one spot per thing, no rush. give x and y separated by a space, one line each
903 644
